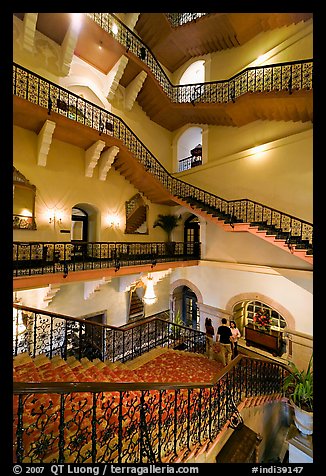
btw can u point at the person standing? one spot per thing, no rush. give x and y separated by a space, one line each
234 339
210 331
225 335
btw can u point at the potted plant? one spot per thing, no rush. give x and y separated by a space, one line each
298 386
168 223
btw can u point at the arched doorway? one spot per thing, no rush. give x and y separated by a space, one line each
190 310
79 224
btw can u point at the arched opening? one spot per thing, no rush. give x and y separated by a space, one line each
271 337
79 224
194 74
190 311
185 304
189 148
84 219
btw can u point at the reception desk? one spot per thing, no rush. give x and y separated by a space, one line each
269 340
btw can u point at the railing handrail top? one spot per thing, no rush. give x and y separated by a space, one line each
100 242
249 68
125 328
67 387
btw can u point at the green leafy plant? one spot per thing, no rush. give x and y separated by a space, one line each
176 331
168 223
178 318
298 385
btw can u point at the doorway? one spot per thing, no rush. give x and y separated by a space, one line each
190 311
191 235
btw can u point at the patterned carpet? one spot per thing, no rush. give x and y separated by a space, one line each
164 366
179 366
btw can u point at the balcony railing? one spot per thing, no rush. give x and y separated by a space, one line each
189 162
32 258
37 90
289 76
179 19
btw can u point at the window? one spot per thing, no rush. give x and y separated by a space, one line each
278 322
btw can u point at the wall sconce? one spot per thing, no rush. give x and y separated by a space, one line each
149 296
54 218
113 222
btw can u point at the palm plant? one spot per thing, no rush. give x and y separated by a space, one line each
299 386
167 223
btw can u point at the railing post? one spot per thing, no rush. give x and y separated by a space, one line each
62 425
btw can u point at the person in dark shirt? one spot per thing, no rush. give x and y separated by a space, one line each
224 332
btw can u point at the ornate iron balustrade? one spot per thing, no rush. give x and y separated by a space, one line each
44 93
290 76
189 162
132 422
179 19
56 334
31 258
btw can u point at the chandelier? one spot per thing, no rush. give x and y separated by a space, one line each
149 296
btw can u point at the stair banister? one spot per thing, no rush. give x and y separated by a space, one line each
276 76
189 414
58 334
121 131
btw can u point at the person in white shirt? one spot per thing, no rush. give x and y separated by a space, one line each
234 339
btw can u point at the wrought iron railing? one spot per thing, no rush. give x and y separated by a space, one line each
289 76
179 19
34 88
53 334
189 162
31 258
104 422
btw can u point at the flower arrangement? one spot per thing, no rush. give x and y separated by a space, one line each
262 320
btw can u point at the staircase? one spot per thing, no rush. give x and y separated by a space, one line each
294 244
82 411
136 219
136 309
174 45
142 169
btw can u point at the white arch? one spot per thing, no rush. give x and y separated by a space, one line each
184 282
290 321
94 94
186 139
94 218
195 73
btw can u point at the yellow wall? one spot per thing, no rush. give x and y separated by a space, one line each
280 177
62 184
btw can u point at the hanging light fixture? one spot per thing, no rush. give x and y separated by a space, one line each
149 296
